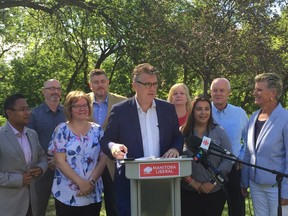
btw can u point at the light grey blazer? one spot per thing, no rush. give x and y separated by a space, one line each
270 151
14 197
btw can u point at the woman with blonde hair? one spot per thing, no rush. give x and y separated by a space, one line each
267 146
179 96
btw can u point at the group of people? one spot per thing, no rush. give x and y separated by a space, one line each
261 140
225 124
65 154
71 149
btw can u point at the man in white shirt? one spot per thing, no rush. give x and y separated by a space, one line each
138 127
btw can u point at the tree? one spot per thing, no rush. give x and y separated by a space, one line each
188 41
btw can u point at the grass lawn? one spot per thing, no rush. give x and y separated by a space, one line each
249 210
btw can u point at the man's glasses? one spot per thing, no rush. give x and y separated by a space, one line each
22 109
53 88
148 84
83 106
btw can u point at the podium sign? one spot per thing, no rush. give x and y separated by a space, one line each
160 169
155 185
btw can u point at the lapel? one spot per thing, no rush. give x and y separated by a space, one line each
161 115
34 151
135 120
268 124
251 132
10 136
91 95
110 103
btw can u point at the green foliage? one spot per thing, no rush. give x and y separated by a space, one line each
188 41
2 120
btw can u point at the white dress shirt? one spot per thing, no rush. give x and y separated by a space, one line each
149 130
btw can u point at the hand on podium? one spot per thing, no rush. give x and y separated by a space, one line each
171 153
118 151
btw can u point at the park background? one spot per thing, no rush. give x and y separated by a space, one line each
189 41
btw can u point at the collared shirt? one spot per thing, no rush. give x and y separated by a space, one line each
44 121
149 130
234 120
24 143
100 111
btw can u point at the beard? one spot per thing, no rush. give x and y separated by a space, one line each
55 97
100 93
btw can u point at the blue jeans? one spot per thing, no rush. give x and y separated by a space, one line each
265 200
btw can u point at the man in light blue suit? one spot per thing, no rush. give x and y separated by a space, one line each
141 126
22 160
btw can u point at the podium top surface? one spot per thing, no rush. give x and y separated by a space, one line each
154 160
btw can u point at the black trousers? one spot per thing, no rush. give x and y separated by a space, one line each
29 211
67 210
236 202
109 193
193 203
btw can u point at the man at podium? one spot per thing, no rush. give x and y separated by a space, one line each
141 126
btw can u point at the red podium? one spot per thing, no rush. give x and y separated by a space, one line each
155 185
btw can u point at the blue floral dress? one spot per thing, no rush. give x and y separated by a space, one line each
82 154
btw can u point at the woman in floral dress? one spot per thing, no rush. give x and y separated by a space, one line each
77 185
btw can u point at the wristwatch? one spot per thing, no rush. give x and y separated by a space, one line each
92 181
212 181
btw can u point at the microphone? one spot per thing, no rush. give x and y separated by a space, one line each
193 144
205 143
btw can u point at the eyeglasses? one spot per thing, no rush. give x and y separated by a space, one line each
23 109
83 106
148 84
53 88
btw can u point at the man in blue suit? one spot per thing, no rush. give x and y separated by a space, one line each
140 127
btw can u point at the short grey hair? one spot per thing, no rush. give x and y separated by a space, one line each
274 82
221 78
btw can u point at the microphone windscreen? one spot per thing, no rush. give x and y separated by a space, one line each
193 143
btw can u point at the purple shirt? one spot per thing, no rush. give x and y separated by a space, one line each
24 143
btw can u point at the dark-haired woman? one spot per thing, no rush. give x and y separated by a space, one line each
201 195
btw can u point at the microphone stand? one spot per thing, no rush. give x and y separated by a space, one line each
216 175
279 175
201 157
